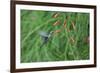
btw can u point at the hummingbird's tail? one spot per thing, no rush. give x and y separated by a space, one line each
42 45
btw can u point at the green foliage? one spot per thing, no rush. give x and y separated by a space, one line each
70 43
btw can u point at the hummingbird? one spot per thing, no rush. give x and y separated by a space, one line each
45 36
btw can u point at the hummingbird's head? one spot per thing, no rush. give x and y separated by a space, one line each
50 34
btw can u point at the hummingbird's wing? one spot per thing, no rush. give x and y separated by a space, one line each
43 34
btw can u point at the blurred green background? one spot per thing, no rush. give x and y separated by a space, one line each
70 41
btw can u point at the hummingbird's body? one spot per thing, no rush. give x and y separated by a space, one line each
45 36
